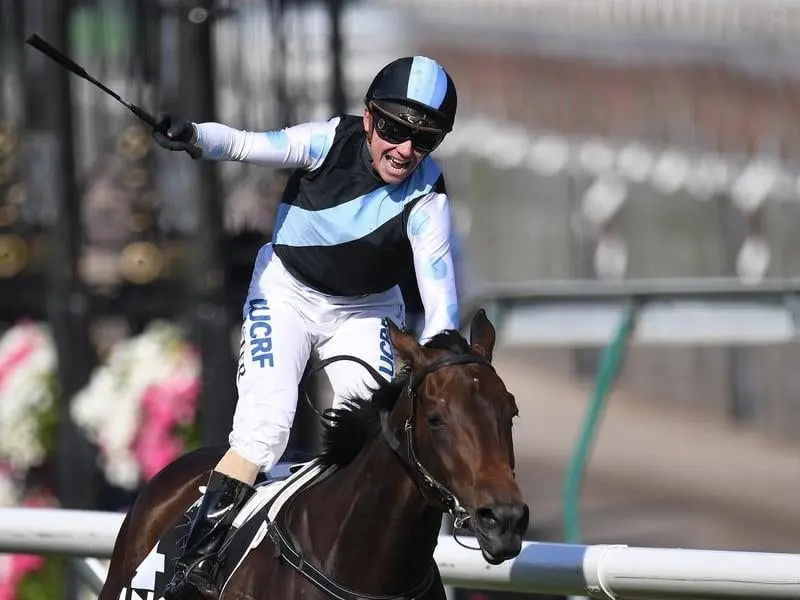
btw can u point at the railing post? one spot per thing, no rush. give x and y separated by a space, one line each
606 375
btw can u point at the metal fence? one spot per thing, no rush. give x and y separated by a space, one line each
635 142
606 572
522 227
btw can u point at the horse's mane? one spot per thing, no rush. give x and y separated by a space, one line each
357 421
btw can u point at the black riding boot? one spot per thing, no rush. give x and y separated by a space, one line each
196 568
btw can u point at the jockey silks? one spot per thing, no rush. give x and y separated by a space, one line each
340 229
328 280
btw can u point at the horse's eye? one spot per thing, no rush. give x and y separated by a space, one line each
435 421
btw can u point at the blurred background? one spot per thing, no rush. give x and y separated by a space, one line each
625 181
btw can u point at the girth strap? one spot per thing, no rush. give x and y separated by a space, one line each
287 548
287 551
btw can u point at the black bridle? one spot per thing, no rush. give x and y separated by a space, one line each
426 482
286 544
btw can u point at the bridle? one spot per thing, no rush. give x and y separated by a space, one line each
426 482
285 543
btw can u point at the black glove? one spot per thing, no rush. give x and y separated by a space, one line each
174 133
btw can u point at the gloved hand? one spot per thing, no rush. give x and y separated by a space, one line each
174 133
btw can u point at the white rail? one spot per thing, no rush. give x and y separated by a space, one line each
611 572
58 531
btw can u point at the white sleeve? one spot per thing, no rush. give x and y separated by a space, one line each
429 234
305 145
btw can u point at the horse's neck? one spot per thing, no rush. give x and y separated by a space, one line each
386 529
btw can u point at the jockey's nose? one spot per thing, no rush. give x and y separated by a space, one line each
503 517
405 149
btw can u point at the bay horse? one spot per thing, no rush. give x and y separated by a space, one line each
436 439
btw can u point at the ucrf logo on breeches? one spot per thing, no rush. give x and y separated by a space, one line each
259 332
386 358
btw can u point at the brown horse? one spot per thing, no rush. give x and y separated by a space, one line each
437 439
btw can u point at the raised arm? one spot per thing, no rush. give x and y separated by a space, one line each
304 145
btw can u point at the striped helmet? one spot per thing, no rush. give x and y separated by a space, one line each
416 82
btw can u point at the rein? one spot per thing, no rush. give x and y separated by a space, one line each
445 497
410 460
289 548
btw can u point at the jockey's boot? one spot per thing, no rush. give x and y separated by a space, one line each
196 567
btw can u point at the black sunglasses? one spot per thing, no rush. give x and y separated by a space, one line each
423 139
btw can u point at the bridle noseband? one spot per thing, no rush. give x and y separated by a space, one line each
419 474
444 496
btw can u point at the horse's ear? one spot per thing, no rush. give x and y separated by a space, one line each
407 347
481 334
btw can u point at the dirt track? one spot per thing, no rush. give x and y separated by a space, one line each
657 477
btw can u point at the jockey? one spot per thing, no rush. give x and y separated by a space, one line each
365 205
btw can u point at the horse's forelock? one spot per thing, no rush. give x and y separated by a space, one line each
451 340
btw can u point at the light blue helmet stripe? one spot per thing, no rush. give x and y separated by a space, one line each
427 82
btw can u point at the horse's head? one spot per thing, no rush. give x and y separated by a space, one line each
458 419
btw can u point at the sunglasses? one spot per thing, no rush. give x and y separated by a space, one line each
388 128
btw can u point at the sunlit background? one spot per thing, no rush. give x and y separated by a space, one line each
625 180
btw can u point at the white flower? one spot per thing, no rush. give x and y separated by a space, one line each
108 409
9 492
122 470
27 361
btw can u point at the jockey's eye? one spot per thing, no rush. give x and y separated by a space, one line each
435 421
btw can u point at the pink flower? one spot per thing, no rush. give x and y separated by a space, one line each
154 449
187 390
15 358
172 401
164 405
8 589
17 566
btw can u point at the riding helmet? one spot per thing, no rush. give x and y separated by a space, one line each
417 82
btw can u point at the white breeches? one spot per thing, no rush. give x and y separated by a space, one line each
285 325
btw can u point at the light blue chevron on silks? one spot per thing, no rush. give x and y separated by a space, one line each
356 218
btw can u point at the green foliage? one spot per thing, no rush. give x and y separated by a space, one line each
48 417
189 436
47 582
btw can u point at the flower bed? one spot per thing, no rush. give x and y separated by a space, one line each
138 409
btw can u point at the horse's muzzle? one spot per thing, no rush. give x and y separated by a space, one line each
499 529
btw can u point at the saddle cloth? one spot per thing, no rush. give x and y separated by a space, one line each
248 531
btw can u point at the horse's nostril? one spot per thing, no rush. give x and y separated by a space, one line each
487 519
503 517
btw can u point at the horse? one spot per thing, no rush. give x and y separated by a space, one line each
436 439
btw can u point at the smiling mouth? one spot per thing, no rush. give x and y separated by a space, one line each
397 163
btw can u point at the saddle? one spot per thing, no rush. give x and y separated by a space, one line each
250 527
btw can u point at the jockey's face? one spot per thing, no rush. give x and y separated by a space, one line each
393 162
